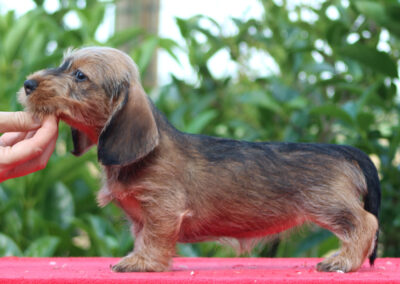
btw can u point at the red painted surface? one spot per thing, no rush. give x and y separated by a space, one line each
192 270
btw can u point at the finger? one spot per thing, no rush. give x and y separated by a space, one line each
32 147
17 121
30 134
10 138
36 164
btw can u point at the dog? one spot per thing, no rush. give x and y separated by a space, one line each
180 187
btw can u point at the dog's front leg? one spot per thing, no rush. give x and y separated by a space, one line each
154 245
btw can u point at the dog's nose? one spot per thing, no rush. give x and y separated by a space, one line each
30 86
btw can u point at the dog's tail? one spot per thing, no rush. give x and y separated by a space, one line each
372 200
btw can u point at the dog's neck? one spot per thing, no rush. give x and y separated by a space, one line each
92 133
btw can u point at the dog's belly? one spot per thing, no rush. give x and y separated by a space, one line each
191 232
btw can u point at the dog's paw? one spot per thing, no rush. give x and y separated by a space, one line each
137 263
335 264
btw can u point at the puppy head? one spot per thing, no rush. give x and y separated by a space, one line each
97 91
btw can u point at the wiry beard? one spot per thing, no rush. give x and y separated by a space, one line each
39 111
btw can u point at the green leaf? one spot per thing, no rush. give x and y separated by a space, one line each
336 33
169 45
146 53
70 165
99 235
376 60
60 205
42 247
183 26
121 37
365 120
383 13
297 103
319 67
282 92
372 9
331 244
187 250
15 37
333 111
39 2
367 96
312 241
201 121
261 99
351 107
98 225
8 247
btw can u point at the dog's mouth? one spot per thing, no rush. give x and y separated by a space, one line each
38 109
41 110
41 106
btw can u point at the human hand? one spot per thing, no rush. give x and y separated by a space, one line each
27 145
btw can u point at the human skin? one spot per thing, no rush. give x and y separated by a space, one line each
26 144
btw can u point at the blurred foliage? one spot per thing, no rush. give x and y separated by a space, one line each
321 73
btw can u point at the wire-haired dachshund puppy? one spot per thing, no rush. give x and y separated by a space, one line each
179 187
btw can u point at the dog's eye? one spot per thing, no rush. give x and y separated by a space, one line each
80 76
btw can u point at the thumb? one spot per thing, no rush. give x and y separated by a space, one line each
18 121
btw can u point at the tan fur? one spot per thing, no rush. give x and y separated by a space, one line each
179 187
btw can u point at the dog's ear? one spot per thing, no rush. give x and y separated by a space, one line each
81 142
131 133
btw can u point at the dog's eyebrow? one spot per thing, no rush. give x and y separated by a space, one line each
64 67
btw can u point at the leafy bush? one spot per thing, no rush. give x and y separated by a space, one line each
320 78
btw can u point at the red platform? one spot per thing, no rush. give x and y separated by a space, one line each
192 270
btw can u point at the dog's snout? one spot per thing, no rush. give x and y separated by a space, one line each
30 86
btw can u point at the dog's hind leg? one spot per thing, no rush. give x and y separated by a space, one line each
356 229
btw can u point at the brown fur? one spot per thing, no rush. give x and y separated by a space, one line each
176 187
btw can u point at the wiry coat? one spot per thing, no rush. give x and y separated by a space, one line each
179 187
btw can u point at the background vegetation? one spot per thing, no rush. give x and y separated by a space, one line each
331 76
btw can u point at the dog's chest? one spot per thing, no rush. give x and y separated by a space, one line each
131 207
123 198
